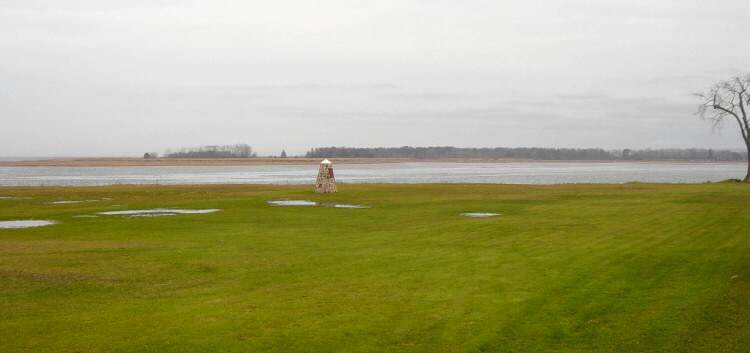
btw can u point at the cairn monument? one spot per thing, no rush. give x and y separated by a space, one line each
326 183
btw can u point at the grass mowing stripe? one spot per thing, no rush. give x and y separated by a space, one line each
568 268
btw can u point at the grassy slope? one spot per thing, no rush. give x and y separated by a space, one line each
633 268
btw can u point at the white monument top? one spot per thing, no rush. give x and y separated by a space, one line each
325 161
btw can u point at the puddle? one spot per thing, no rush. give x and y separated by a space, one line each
292 203
479 214
151 215
344 206
157 211
66 202
312 203
24 224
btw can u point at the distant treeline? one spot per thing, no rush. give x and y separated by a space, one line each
527 153
223 151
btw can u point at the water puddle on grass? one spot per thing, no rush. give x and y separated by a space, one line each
24 224
479 214
292 203
67 202
312 203
152 215
157 212
344 206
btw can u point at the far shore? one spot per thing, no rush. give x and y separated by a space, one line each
141 162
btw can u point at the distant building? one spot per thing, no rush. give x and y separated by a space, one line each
326 183
283 153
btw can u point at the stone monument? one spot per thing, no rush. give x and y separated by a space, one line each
326 183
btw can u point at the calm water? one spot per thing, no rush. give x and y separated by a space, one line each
512 173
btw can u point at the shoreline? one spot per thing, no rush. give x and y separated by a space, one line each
260 161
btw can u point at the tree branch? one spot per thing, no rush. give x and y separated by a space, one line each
743 127
744 115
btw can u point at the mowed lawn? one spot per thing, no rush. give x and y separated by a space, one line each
573 268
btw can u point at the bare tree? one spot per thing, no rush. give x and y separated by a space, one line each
729 101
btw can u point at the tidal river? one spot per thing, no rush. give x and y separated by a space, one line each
510 173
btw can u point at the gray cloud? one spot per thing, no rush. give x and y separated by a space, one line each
91 77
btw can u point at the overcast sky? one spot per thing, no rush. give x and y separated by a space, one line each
96 77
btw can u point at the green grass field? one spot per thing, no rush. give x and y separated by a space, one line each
575 268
